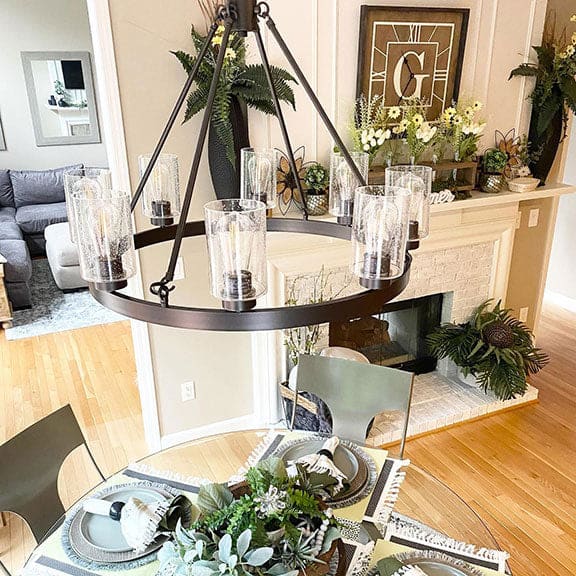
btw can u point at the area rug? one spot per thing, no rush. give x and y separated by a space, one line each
54 311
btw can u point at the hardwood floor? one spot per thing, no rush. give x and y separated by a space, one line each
92 370
515 469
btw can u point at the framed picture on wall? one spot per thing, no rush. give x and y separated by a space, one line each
408 53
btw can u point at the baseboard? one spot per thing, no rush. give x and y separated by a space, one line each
233 425
560 300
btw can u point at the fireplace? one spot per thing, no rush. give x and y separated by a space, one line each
396 337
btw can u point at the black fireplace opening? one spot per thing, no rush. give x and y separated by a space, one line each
395 337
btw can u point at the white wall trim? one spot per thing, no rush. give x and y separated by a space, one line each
560 300
233 425
113 131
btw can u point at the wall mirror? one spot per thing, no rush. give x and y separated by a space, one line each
62 98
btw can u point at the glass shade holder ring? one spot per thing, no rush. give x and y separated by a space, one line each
105 238
418 180
236 239
161 194
380 234
239 287
343 184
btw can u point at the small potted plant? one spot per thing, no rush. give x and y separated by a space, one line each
492 179
493 349
316 180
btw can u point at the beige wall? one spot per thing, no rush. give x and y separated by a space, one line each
562 272
35 25
324 37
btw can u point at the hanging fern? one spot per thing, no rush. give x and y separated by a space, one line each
493 346
246 82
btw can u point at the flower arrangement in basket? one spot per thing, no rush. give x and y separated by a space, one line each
272 524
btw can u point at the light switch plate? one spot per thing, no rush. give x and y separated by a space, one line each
523 314
533 218
188 391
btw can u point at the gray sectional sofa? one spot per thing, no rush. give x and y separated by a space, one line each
29 202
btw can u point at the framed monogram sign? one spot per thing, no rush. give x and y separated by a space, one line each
408 53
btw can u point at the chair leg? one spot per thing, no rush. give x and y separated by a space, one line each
4 570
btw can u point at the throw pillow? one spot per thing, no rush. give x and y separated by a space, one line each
6 193
39 187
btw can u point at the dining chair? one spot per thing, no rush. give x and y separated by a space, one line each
355 392
31 463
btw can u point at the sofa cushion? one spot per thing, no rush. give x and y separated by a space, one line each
6 192
18 267
39 187
10 231
7 214
59 247
33 219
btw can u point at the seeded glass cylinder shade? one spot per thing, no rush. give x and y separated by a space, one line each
417 179
380 234
161 196
236 237
258 175
105 238
91 182
343 184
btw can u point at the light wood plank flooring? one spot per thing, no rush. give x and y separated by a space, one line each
515 469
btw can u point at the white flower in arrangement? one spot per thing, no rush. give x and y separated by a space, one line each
477 105
426 132
474 128
271 502
404 125
570 50
457 120
574 38
417 120
398 129
230 54
573 18
523 172
450 112
469 112
394 112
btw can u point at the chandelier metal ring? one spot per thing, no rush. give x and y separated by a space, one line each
279 318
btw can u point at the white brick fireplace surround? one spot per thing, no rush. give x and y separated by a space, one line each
467 258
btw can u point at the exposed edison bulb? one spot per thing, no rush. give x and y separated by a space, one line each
258 175
161 201
236 236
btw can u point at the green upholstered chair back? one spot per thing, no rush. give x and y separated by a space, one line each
355 392
29 466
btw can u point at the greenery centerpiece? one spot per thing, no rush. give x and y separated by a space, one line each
494 163
316 181
414 129
241 86
460 130
554 95
494 347
271 525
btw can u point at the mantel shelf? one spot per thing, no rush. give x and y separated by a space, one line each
484 200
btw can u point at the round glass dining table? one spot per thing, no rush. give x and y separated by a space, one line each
422 496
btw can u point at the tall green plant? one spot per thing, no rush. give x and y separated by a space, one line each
246 82
555 89
493 346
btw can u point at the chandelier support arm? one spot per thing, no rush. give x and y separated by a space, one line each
314 99
173 116
169 276
280 116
